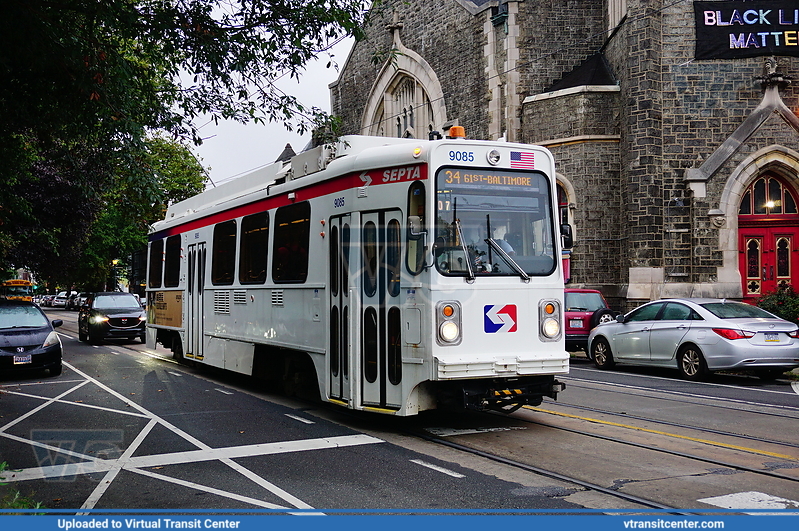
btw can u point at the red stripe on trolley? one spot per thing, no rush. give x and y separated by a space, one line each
351 181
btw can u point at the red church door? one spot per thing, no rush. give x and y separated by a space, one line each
768 238
768 259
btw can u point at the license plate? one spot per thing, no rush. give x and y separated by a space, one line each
20 360
576 323
772 336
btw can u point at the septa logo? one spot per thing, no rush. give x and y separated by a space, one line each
499 318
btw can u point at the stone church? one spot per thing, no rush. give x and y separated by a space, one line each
673 124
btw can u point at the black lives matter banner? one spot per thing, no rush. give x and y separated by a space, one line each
731 30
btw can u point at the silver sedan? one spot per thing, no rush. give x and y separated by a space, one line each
698 336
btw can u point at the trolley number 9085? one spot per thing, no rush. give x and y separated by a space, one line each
461 156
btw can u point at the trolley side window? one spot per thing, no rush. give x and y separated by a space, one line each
416 227
172 262
254 248
370 259
156 264
292 234
393 256
223 261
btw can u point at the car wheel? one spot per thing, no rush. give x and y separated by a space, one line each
94 338
55 371
691 363
602 315
601 354
81 335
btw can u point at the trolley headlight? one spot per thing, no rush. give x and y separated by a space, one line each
550 317
448 323
551 328
449 331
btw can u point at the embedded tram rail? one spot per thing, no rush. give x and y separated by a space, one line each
683 451
741 460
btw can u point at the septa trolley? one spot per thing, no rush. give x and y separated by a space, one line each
394 275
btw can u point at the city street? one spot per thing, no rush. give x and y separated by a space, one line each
124 427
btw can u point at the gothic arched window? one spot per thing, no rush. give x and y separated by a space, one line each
767 196
406 106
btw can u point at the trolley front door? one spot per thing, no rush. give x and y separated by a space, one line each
768 259
195 284
339 275
380 331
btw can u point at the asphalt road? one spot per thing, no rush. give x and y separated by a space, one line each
122 427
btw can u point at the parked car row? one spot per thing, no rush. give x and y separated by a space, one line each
69 300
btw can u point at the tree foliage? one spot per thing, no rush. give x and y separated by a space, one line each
128 210
85 83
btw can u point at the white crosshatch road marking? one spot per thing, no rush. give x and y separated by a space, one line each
304 421
111 467
751 500
437 468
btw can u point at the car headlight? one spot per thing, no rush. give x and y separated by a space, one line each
52 340
96 319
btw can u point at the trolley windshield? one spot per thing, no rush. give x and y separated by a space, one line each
493 222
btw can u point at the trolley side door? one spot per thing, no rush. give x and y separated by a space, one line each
194 304
381 255
339 307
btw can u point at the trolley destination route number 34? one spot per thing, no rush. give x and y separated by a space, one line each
391 275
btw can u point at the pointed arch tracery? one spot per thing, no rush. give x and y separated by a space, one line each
406 101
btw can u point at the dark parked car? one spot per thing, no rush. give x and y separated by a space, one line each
72 302
585 308
28 339
110 315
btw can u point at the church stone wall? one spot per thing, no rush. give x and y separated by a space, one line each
447 36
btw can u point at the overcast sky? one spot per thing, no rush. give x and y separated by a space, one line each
231 149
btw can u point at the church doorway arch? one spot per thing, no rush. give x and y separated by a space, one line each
768 236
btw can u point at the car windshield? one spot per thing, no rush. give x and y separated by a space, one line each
125 301
584 302
735 310
21 317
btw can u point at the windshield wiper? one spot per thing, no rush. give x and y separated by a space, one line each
510 261
470 276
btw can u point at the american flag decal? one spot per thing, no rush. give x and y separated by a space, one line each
519 159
